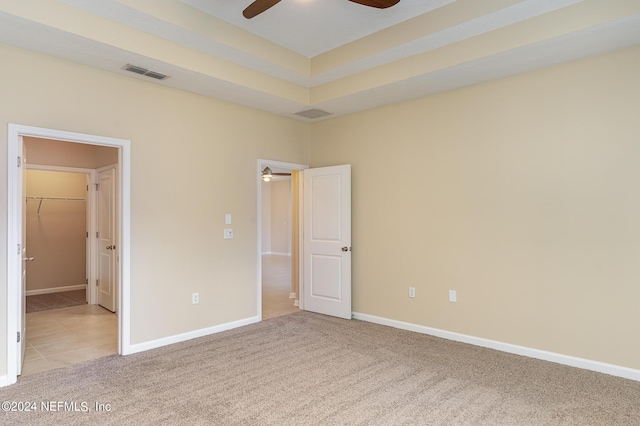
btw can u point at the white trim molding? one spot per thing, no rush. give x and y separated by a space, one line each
153 344
585 364
56 289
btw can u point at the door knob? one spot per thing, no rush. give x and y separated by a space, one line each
28 259
112 247
346 248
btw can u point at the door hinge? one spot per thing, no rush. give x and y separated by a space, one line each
19 162
87 234
86 280
97 185
96 234
18 248
96 283
18 337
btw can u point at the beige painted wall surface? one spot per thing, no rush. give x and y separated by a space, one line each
266 217
522 194
56 237
193 160
281 217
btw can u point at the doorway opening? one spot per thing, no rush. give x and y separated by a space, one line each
64 326
104 150
322 259
278 240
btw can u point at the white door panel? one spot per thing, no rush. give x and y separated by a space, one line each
106 240
23 285
327 241
326 280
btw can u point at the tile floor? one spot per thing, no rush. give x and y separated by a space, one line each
276 286
61 337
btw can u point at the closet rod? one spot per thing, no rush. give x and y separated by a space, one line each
54 199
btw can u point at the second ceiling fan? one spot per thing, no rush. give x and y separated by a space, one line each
259 6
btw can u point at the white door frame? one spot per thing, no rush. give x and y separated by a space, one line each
15 134
262 163
91 212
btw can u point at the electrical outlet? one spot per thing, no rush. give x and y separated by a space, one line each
453 297
228 234
195 298
412 292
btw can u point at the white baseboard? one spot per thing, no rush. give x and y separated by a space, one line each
586 364
141 347
56 289
292 295
296 303
276 253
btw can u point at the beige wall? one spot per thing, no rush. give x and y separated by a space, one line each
266 217
522 194
56 236
276 217
193 159
281 217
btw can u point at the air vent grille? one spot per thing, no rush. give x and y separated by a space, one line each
144 71
313 113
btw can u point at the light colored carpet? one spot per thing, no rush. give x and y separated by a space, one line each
309 369
63 299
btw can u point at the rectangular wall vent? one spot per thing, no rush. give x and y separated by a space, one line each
313 113
144 71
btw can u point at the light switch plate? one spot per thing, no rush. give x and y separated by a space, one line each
453 296
227 219
228 234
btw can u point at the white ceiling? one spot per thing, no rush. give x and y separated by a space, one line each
333 55
312 27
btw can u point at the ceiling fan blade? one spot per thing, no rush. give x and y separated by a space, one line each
379 4
257 7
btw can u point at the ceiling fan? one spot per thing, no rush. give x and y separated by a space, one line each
259 6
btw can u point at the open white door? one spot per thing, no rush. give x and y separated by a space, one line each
22 327
327 241
106 240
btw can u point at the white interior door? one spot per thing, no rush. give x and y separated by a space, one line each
106 282
22 326
327 241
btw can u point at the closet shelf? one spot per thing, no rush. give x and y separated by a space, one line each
56 198
41 199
